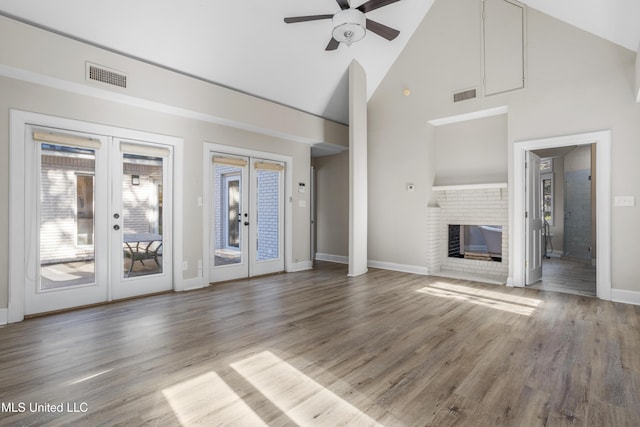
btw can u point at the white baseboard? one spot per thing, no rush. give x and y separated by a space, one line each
4 316
627 297
192 284
340 259
300 266
405 268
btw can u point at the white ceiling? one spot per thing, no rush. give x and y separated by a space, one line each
245 45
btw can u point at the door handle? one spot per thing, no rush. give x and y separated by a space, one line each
116 227
246 223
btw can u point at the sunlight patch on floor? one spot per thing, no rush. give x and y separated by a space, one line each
299 397
208 400
497 300
88 377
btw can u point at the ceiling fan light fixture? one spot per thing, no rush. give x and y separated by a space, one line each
349 26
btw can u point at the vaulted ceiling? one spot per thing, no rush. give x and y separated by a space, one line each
245 45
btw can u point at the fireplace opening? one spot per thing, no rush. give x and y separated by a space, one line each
479 242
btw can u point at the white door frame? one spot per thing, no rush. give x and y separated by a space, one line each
209 147
602 139
17 139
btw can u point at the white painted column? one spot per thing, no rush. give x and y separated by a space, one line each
638 75
357 170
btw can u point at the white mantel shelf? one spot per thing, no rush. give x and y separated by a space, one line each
469 186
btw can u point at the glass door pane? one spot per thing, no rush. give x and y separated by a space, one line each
142 215
67 188
268 214
227 210
267 205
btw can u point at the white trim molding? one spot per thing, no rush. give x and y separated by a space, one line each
469 186
4 316
404 268
193 284
299 266
470 116
339 259
602 140
627 297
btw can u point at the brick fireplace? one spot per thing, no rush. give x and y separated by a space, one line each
459 205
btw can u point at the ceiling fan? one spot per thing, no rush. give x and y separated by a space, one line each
349 23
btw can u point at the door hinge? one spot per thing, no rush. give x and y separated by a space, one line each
526 214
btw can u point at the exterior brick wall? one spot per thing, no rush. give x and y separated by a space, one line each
58 208
139 210
220 194
268 214
58 205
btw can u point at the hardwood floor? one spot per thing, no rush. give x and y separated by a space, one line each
567 276
320 348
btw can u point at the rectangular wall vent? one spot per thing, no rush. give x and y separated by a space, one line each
98 73
464 95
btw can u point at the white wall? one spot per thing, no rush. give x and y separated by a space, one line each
576 82
638 76
472 152
332 198
43 72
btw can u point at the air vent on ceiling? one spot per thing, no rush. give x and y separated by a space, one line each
464 95
98 73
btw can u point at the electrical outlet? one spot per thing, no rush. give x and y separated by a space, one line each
185 265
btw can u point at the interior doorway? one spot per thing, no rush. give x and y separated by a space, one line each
601 140
568 200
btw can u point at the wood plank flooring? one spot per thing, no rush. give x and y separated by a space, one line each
567 276
320 348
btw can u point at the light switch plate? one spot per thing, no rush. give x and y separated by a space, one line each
624 201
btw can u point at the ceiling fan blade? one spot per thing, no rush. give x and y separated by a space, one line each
374 4
333 44
382 30
344 4
294 19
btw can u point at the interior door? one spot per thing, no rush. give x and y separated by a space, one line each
247 228
66 185
533 221
140 219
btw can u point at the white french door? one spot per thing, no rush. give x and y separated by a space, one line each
140 222
533 209
97 219
247 217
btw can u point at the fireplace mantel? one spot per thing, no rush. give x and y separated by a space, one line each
462 187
